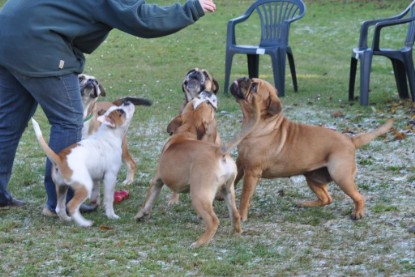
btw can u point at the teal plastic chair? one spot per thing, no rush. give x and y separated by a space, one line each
402 62
275 18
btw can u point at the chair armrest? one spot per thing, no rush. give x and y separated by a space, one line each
380 25
364 29
230 35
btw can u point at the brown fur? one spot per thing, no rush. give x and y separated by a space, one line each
190 165
282 148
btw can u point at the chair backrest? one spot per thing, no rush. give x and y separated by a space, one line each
410 35
275 17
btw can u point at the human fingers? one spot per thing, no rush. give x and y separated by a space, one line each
207 5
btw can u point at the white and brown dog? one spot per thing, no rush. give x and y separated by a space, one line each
188 164
90 90
86 164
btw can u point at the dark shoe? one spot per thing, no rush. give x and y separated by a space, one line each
13 203
85 208
48 213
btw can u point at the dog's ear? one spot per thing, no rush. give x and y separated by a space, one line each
101 88
106 120
274 104
215 86
201 130
101 112
174 124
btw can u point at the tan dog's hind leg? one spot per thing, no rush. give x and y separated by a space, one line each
80 195
152 194
202 203
229 196
251 179
321 190
129 163
344 178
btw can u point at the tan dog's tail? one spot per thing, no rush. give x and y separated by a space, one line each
365 138
49 152
247 129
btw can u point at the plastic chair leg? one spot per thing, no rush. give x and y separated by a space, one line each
278 67
365 66
253 65
410 71
290 57
228 67
352 77
400 78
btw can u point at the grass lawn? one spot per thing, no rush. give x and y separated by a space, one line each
279 239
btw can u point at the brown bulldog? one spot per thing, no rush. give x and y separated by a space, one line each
188 164
281 148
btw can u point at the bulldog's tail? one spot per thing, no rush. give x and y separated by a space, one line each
53 157
246 130
365 138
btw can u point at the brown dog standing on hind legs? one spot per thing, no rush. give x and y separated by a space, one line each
95 159
282 148
195 82
190 165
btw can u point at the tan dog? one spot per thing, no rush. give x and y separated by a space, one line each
188 164
90 90
281 148
195 82
86 164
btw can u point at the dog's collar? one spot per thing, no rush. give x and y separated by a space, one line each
206 96
88 118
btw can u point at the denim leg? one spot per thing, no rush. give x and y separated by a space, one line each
61 101
16 108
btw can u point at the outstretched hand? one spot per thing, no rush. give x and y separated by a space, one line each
207 5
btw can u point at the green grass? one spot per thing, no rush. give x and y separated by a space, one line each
279 239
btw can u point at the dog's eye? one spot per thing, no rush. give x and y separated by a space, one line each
254 87
81 78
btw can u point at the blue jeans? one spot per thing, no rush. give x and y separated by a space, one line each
60 99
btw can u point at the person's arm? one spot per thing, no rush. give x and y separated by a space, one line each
151 20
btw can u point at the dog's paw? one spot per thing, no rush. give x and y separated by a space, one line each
356 216
113 216
140 215
84 222
174 199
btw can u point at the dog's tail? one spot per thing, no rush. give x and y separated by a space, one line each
49 152
247 129
134 100
365 138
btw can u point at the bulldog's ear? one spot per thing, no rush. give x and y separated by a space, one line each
201 130
174 124
215 86
106 120
101 88
274 105
101 112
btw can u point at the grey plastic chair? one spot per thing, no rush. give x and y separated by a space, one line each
275 18
401 59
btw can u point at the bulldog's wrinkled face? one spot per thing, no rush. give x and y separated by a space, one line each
196 81
246 90
90 87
